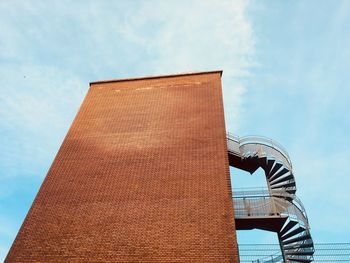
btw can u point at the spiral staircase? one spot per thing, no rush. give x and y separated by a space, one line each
276 208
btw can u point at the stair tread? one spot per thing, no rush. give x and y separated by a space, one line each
293 233
291 191
291 184
269 166
287 227
279 174
300 253
296 239
282 179
300 259
274 169
296 246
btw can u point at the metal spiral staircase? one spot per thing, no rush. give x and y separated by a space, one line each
277 208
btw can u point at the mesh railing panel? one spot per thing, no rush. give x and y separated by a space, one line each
265 253
260 203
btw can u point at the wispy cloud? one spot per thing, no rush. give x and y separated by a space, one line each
195 36
53 51
50 51
300 97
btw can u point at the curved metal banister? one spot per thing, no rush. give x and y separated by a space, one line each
264 192
267 205
262 140
275 258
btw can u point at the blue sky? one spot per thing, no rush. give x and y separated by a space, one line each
286 75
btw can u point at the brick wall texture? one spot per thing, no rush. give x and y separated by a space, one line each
142 176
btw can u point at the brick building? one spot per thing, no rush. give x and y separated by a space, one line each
142 176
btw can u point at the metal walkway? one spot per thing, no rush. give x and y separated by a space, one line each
277 208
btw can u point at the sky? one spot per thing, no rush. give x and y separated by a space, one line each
286 76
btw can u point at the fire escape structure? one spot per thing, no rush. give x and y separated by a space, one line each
277 208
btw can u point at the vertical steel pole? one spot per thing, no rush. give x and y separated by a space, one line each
281 247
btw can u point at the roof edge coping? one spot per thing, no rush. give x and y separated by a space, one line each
157 77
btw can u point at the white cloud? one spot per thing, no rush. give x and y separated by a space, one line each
195 36
50 51
37 105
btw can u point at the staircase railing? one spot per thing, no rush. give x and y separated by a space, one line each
279 200
262 203
261 140
264 253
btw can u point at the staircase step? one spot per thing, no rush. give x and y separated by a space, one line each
246 155
285 189
288 227
300 253
306 260
291 191
279 174
274 169
249 156
293 233
283 179
269 165
297 246
291 184
281 193
296 239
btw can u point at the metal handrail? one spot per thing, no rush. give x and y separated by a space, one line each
265 193
274 258
259 192
250 191
255 207
266 205
257 139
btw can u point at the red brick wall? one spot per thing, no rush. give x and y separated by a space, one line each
142 176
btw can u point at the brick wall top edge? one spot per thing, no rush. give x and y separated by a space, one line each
157 77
